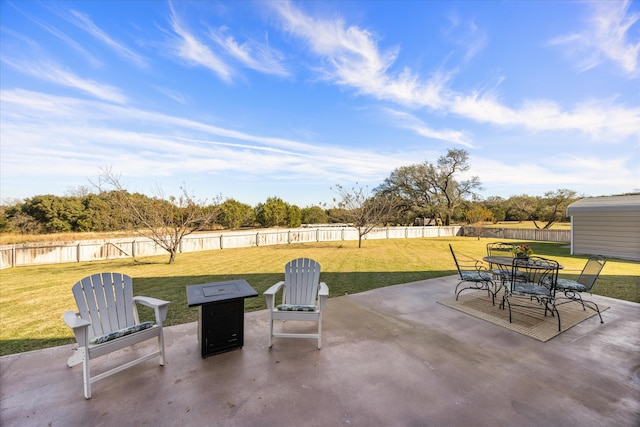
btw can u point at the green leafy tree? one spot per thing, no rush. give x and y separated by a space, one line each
55 214
272 213
553 207
294 216
19 222
314 215
433 190
234 214
498 207
478 214
521 208
100 214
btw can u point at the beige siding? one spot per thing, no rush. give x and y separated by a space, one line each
607 232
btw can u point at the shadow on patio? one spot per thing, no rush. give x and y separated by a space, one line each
390 357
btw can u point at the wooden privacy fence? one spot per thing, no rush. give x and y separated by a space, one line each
542 235
94 250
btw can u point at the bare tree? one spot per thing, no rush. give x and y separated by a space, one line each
165 220
361 210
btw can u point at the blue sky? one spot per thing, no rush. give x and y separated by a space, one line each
250 100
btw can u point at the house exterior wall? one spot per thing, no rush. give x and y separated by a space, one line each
608 226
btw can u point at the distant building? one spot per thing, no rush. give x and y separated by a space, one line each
608 226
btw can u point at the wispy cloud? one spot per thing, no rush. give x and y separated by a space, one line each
413 123
54 73
254 55
85 23
468 36
356 61
69 41
160 144
607 37
573 171
598 117
190 49
178 97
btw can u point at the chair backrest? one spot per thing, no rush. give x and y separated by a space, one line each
301 279
536 270
106 300
455 259
500 249
591 271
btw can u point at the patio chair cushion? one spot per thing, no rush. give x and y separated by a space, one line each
571 285
475 275
531 288
296 307
566 285
121 333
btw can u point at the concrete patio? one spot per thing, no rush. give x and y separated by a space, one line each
390 357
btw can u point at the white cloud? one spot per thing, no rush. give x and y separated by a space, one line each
53 73
607 37
92 134
82 21
469 37
189 48
597 118
584 174
68 40
254 55
411 122
355 61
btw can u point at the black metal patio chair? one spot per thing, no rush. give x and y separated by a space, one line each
473 275
572 290
533 286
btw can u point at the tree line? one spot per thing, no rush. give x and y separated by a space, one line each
417 194
410 193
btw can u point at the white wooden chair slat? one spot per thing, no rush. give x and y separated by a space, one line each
130 311
123 313
109 282
81 302
106 305
98 285
301 286
122 301
92 307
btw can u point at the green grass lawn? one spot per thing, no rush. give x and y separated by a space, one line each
33 299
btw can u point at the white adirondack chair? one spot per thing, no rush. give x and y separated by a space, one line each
107 321
303 298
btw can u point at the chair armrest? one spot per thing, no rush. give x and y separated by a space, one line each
79 326
159 306
481 266
323 294
270 294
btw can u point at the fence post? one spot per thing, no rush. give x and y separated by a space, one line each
221 241
13 256
78 252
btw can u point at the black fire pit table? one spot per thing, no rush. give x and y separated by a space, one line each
221 314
